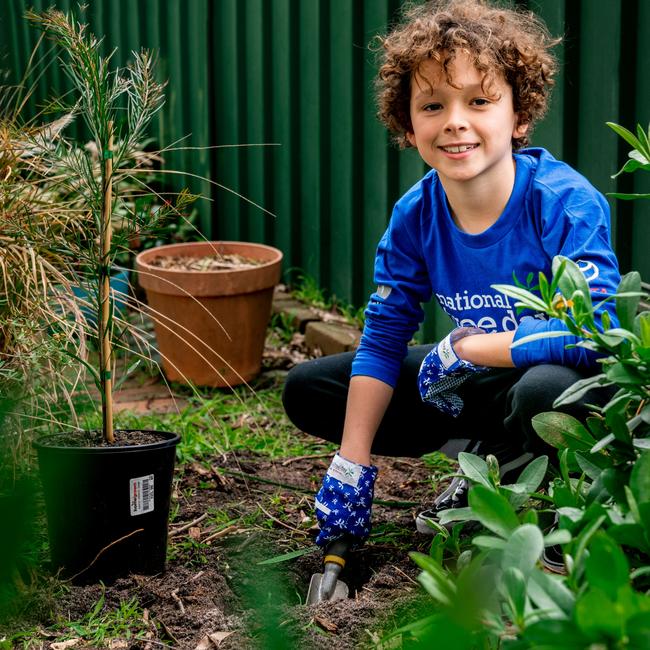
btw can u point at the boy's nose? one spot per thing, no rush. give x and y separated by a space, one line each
456 121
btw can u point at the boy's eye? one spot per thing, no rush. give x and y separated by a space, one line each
480 101
433 106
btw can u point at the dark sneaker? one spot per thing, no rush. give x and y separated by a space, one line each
553 560
455 496
511 462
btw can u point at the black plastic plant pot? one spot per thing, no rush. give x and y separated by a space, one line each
107 507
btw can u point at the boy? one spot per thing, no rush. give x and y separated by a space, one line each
464 83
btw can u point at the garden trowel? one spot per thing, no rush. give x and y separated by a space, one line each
326 586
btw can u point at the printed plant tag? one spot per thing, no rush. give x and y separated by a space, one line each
141 495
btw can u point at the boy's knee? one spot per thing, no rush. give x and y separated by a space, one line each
540 386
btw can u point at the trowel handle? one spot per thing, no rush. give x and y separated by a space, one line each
337 550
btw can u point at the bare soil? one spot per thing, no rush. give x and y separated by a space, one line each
214 587
215 594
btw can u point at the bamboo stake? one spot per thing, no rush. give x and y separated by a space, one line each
106 355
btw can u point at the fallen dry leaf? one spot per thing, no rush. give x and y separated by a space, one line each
195 532
62 645
325 624
213 640
118 644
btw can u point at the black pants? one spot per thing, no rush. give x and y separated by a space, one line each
499 405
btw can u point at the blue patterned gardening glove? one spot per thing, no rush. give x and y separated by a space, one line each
344 501
442 372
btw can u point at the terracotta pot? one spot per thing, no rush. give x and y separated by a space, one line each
210 325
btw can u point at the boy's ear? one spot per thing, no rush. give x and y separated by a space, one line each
520 129
411 138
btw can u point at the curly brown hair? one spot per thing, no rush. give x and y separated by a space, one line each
500 41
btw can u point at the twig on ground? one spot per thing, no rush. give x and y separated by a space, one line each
408 577
282 523
178 531
222 533
306 457
168 632
248 541
179 602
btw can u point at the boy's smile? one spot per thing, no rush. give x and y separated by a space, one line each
464 133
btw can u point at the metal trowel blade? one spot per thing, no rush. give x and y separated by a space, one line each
314 594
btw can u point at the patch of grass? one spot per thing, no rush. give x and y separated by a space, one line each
102 624
96 628
437 462
282 327
242 419
306 290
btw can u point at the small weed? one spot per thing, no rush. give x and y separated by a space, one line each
439 463
283 326
101 624
306 290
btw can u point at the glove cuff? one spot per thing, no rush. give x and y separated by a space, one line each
349 472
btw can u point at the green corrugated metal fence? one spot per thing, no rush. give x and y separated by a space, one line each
296 76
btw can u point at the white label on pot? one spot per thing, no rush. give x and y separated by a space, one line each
141 495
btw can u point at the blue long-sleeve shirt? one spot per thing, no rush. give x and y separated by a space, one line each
553 210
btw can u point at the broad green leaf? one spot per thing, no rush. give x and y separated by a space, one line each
455 514
643 140
606 567
580 388
515 493
434 578
615 480
638 630
640 157
523 296
550 593
630 166
588 466
559 536
562 431
554 634
626 134
632 504
489 543
624 375
642 327
533 474
513 588
626 308
493 510
572 514
631 535
618 426
434 588
585 537
641 443
475 468
598 617
617 335
602 443
523 549
640 478
572 279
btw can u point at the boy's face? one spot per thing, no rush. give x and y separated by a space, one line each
463 133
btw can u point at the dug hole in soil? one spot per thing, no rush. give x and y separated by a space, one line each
214 594
222 589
